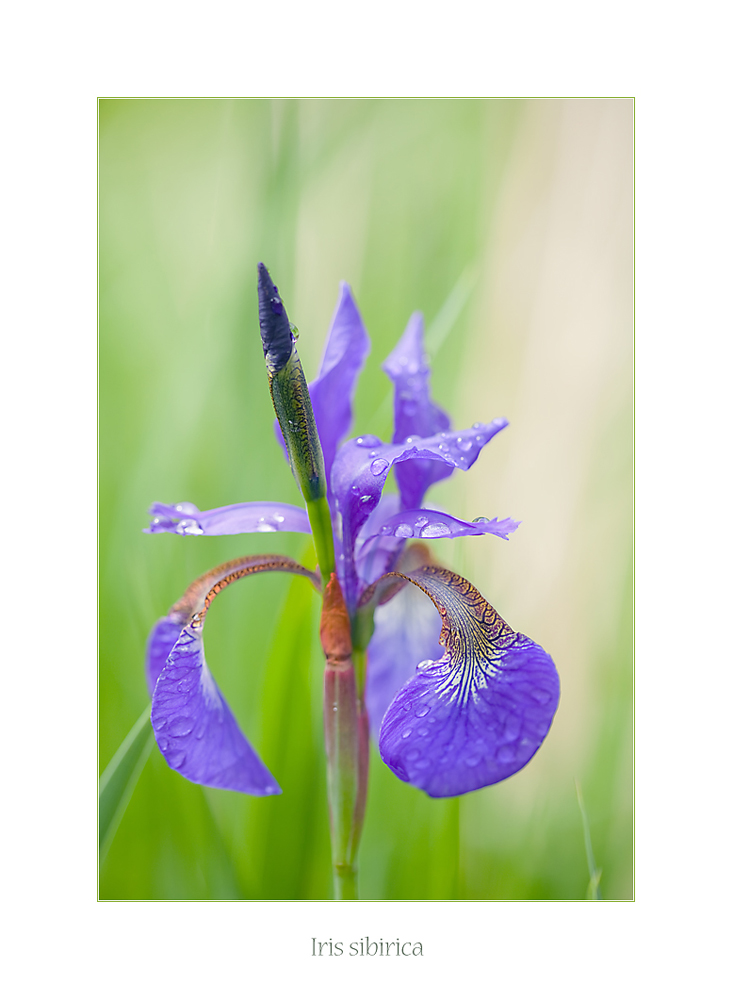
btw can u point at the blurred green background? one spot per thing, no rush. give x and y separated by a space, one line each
509 224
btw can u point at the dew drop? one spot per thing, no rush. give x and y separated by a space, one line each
473 760
480 520
409 440
365 499
480 439
368 441
355 490
505 754
378 466
512 728
465 444
421 522
406 733
186 508
181 726
541 696
422 712
266 524
476 426
436 530
384 530
162 744
422 731
412 755
421 666
422 764
189 527
403 531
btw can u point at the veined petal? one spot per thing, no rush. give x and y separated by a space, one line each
193 725
236 519
360 471
478 714
414 411
332 392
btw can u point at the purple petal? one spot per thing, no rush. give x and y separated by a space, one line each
424 523
236 519
406 632
332 392
375 553
195 729
360 471
161 641
481 712
414 412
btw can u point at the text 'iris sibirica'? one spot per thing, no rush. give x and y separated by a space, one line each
456 699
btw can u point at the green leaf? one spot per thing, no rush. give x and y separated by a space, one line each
118 781
594 891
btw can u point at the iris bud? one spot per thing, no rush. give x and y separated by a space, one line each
289 391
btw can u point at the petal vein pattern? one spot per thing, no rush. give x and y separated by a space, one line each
478 714
193 725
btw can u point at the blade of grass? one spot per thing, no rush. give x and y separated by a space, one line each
594 891
118 781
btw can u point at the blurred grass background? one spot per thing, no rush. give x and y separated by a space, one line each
509 224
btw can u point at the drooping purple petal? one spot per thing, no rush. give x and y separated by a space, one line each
360 471
161 641
332 392
406 632
478 714
236 519
415 414
194 727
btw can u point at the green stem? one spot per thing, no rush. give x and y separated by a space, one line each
344 882
319 516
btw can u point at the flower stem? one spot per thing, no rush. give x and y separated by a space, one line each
319 516
346 737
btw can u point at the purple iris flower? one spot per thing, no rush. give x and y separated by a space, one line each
456 698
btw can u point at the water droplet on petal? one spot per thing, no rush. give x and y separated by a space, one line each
480 520
403 531
186 508
422 731
176 758
406 733
420 522
473 760
368 441
378 466
181 726
421 666
422 712
480 439
355 490
266 524
476 426
384 530
436 530
465 444
365 499
189 527
505 754
412 755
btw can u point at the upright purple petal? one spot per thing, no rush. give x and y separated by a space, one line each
360 471
478 714
332 392
236 519
193 725
415 414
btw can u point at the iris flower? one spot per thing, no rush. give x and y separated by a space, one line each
456 699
